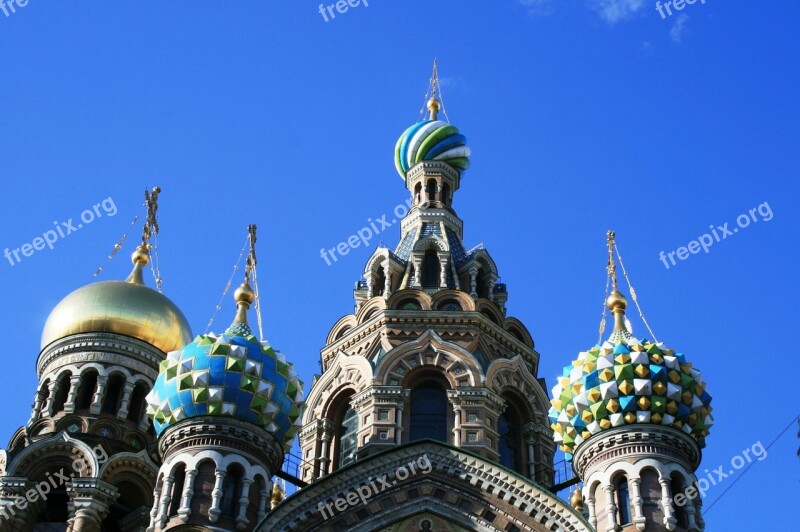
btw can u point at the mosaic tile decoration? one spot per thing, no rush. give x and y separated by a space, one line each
627 383
231 375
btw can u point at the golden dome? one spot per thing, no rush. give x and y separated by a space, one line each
122 307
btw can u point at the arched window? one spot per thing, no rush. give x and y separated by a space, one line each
676 485
417 193
44 391
408 304
429 410
450 305
430 190
86 390
62 393
379 282
177 489
510 444
348 438
137 402
54 511
430 269
446 194
113 393
623 501
480 285
231 490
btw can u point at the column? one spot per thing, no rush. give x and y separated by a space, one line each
166 497
97 400
611 509
262 503
74 384
417 282
188 491
592 515
473 284
398 431
443 270
154 511
387 287
122 413
637 501
37 407
666 503
529 439
51 399
216 496
244 500
456 426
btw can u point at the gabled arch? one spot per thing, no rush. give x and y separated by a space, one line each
448 357
491 312
522 334
345 370
341 327
432 242
63 447
466 302
370 308
512 374
419 296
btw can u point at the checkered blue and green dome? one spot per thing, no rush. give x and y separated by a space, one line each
626 382
231 375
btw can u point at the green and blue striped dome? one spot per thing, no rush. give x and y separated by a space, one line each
231 375
431 140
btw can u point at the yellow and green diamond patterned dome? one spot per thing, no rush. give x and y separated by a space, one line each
626 381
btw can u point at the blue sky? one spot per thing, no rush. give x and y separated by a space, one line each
582 116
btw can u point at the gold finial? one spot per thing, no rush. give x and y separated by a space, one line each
576 500
616 302
141 255
433 103
244 295
277 495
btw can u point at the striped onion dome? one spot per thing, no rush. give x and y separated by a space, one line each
431 140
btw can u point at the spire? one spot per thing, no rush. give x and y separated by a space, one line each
616 302
141 255
433 102
244 295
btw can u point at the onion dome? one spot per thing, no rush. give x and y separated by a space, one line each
121 307
431 140
626 381
232 375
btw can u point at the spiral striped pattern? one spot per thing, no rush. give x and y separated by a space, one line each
431 140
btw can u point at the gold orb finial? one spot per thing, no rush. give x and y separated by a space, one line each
616 301
277 495
433 107
576 500
140 258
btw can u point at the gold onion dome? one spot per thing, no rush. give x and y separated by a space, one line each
125 307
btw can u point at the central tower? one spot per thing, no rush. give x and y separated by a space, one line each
429 352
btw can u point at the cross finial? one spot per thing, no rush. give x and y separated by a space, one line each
151 223
251 257
612 266
433 103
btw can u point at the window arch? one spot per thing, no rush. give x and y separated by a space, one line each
429 409
409 304
137 402
446 194
179 474
345 420
511 446
86 390
623 501
63 391
232 490
378 282
430 269
676 485
430 190
417 193
113 393
480 285
450 304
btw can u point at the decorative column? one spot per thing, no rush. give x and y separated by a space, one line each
387 287
122 413
51 399
456 426
90 500
611 508
666 503
443 262
166 498
636 499
592 515
188 492
398 431
37 407
417 282
262 502
241 518
154 511
216 496
529 440
74 383
97 400
473 283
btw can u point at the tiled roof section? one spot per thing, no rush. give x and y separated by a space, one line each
406 245
430 229
456 247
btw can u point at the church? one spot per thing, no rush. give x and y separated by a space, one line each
429 413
